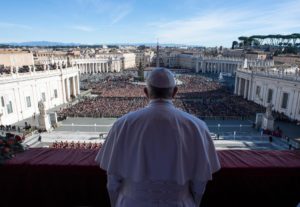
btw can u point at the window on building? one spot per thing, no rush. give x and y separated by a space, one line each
28 101
270 96
2 101
258 91
55 93
43 96
9 107
285 98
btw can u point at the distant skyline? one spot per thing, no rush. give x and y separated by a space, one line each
194 22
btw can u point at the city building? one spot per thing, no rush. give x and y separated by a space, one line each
144 57
21 92
287 59
256 55
228 65
15 58
277 86
89 65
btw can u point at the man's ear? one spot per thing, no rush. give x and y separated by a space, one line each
175 90
146 92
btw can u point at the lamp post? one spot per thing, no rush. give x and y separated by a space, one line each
218 130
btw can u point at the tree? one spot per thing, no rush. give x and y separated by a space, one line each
245 40
234 44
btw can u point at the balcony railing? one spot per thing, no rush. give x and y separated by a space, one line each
65 177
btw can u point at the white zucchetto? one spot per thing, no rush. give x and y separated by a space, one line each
161 78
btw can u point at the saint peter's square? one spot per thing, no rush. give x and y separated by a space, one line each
59 101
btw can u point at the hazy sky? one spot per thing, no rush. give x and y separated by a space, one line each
200 22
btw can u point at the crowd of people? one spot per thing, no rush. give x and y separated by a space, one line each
10 144
75 145
4 70
198 95
104 107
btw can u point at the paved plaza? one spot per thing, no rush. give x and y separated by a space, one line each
227 134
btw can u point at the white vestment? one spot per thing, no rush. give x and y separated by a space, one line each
158 156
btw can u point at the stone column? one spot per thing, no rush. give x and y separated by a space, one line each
249 90
77 85
246 89
197 66
63 90
68 89
277 98
264 94
239 86
74 86
236 84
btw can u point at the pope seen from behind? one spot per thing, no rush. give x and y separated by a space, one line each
158 155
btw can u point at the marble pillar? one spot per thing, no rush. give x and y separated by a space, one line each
239 86
68 89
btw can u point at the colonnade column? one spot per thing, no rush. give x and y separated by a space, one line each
74 86
249 90
67 86
239 87
236 85
245 89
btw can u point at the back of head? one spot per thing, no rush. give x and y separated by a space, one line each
160 83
